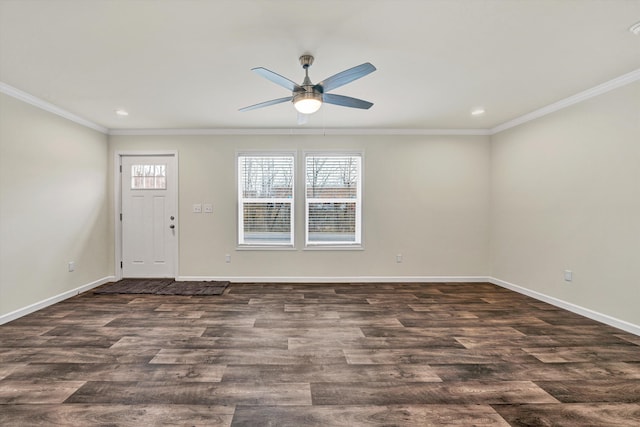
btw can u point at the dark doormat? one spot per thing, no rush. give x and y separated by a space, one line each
134 286
162 287
194 288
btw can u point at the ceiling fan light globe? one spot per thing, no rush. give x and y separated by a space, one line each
308 106
307 103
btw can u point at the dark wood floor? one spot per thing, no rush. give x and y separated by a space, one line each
317 354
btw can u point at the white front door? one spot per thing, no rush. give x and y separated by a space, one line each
149 235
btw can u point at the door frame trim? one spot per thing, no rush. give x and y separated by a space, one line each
117 205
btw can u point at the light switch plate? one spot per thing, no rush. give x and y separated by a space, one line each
197 208
208 208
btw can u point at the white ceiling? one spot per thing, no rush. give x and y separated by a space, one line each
185 64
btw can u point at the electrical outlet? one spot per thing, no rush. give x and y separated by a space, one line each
72 266
568 275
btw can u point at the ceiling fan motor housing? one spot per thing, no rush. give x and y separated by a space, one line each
309 93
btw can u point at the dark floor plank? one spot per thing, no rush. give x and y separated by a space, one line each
387 322
460 323
211 308
371 343
117 372
633 339
459 393
569 340
591 330
117 333
328 373
404 314
336 307
233 322
7 369
537 371
437 331
618 390
369 415
116 415
435 355
36 391
41 341
202 342
83 319
195 393
282 288
476 307
75 355
605 352
578 415
293 332
9 330
247 357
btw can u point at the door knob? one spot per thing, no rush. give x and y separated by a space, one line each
172 226
171 218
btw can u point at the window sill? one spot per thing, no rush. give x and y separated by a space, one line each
265 248
334 248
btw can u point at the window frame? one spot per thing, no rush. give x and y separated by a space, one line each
357 244
240 200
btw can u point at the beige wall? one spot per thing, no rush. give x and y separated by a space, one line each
566 195
426 197
53 205
560 192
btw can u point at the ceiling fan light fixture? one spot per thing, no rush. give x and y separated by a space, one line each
307 102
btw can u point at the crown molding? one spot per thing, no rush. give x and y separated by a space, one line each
623 80
47 106
297 131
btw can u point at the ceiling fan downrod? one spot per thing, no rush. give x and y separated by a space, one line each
306 61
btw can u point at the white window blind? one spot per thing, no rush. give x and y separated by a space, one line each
265 199
333 199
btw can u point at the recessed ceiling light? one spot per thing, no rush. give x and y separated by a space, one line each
477 111
635 28
121 113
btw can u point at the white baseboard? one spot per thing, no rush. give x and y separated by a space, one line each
335 279
54 299
594 315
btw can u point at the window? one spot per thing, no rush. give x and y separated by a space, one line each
265 199
333 202
148 177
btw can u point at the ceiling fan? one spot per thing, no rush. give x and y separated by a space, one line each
307 98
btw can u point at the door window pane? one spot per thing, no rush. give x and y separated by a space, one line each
148 177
